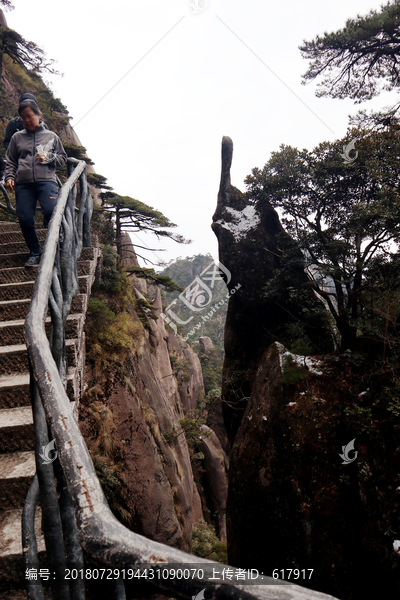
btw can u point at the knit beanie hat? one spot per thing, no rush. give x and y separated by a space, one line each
27 96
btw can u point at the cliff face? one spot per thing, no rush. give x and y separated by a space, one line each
158 474
183 384
293 502
146 406
188 371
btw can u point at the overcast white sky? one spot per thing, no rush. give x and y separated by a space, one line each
231 68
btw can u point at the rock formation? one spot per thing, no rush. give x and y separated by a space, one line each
215 420
215 477
190 378
206 342
3 20
146 407
253 246
293 501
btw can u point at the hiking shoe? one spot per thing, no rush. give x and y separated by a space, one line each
33 261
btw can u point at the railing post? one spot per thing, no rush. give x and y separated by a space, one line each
51 518
8 207
29 543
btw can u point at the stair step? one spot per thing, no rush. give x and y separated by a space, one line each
11 310
15 391
14 359
12 332
14 260
16 430
14 248
20 274
8 261
17 457
16 473
11 565
16 237
21 291
8 226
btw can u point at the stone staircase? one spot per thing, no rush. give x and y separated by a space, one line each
17 459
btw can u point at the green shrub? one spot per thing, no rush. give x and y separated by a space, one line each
114 486
103 226
191 427
113 280
393 393
211 366
111 338
171 437
292 372
359 417
301 346
145 310
205 543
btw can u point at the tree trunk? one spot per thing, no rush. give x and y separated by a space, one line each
118 234
348 334
1 59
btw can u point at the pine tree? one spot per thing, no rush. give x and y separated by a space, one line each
344 216
133 215
360 60
25 53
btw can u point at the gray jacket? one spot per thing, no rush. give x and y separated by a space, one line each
21 162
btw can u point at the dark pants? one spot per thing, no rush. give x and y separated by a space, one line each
27 195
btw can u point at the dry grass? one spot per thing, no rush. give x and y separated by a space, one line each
150 418
105 425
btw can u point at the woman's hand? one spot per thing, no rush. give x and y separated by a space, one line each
10 183
41 156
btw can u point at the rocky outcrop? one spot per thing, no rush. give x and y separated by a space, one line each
158 473
3 20
216 481
188 372
293 501
165 344
183 380
215 420
129 258
253 246
206 343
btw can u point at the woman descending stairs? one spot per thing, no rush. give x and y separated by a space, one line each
17 459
